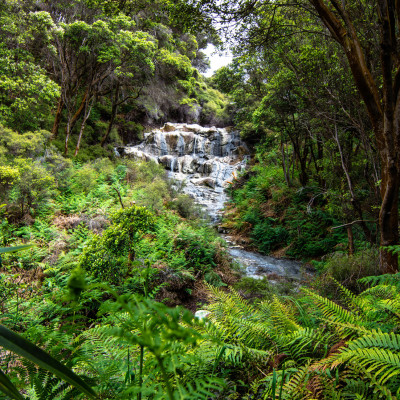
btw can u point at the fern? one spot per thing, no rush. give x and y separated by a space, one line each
382 291
282 317
387 279
336 314
296 386
354 302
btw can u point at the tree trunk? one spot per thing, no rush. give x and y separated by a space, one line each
388 215
88 110
350 239
57 118
113 115
67 135
383 106
72 121
284 165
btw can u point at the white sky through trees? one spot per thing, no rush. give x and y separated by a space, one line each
217 60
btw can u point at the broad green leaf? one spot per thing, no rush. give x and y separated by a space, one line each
15 248
8 388
16 343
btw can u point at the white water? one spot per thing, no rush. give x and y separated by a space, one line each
203 161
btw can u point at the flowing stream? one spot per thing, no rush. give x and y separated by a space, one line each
203 161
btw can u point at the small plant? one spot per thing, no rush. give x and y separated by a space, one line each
13 342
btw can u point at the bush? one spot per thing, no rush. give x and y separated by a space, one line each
185 206
198 249
268 238
110 256
29 144
33 188
347 270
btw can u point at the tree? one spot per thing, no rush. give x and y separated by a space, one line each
27 93
364 32
90 58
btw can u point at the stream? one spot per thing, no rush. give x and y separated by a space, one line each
203 161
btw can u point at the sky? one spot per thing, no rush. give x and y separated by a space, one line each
216 60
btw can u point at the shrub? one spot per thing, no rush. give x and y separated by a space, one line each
154 194
185 206
268 237
347 270
29 144
109 257
199 250
33 188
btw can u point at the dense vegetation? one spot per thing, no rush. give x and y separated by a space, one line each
104 260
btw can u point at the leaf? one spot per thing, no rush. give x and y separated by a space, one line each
16 343
8 388
15 248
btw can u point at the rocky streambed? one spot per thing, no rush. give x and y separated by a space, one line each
203 161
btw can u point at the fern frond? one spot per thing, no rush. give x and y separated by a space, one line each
378 387
296 387
282 316
306 341
357 389
335 313
373 354
357 303
387 279
381 292
392 305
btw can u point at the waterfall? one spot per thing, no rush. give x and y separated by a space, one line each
203 158
181 146
173 162
194 145
162 144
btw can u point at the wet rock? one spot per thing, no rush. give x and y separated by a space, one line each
202 314
168 127
204 182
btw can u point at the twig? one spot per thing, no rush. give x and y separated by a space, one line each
119 195
352 223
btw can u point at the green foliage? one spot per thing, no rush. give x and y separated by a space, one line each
16 343
185 206
28 144
199 251
348 270
165 340
354 344
175 65
276 217
109 257
268 238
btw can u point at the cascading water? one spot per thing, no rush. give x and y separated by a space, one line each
205 160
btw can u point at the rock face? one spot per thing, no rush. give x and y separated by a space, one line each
204 159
